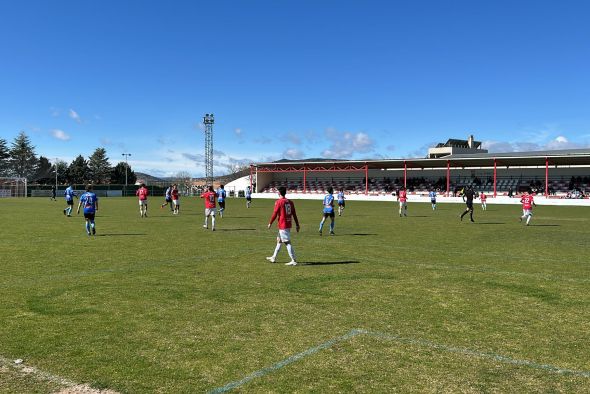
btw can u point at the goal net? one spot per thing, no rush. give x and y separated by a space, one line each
13 187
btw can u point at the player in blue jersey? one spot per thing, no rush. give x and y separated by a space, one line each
248 195
90 202
221 199
328 210
432 196
168 199
341 202
69 195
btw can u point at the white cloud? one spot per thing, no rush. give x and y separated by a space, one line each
293 138
74 115
293 154
263 140
345 144
60 134
559 142
238 132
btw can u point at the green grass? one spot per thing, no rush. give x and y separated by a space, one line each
162 305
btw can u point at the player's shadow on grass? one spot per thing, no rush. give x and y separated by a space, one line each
330 262
242 217
544 225
488 223
121 235
235 229
359 235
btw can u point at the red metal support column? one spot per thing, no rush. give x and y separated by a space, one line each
495 178
252 191
304 179
448 178
405 174
546 177
366 179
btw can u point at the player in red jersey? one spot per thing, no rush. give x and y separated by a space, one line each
527 207
285 212
210 198
484 199
402 197
142 194
175 199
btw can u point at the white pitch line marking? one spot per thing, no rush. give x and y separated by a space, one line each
409 341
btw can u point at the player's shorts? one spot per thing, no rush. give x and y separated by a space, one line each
433 201
209 211
168 199
248 198
469 204
329 214
221 204
143 203
70 202
403 204
89 215
527 212
284 235
341 203
176 202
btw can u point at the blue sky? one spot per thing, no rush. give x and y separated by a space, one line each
291 79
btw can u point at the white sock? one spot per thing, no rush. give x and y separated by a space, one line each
277 249
205 221
291 251
212 221
528 219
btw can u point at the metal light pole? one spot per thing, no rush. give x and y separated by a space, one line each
56 162
208 121
126 167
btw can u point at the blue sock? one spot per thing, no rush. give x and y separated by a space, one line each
332 227
321 225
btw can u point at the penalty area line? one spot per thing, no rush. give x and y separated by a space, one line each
402 340
289 360
475 353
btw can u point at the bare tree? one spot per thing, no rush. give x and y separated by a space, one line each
183 179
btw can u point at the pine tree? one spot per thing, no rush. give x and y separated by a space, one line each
118 174
78 170
23 161
4 158
99 166
62 171
44 173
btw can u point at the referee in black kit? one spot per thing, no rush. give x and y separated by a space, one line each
468 198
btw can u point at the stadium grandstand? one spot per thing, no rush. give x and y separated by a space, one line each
555 173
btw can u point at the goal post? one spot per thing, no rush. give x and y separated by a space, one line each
13 187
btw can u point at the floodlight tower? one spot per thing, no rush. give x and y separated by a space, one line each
126 168
208 121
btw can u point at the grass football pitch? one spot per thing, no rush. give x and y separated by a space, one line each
419 304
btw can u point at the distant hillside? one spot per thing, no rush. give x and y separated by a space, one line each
148 178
